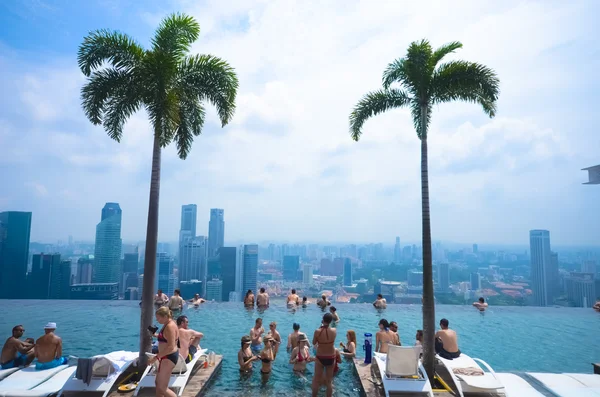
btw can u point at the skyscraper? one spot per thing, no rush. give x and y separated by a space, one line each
227 261
475 281
216 231
192 260
60 280
41 270
347 272
541 256
250 268
397 252
164 267
443 277
189 213
15 229
291 266
107 253
307 274
85 266
553 278
214 290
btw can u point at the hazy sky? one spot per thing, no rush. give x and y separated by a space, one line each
286 168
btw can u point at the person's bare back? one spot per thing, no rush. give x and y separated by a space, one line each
449 339
48 347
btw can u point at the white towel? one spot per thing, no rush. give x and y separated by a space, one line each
119 359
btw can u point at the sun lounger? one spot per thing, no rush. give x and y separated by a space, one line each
590 380
27 378
105 371
469 377
517 387
565 385
179 376
401 372
6 372
48 388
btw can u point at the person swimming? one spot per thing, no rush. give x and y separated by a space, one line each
324 339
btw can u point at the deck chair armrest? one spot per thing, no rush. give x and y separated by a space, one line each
487 366
423 372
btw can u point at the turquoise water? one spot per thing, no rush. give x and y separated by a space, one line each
508 338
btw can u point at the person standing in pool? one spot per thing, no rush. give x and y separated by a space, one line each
323 302
168 351
324 339
160 299
15 352
349 349
256 333
48 349
196 300
262 300
480 304
276 337
305 301
293 337
380 302
267 356
293 299
249 299
300 355
333 311
245 355
176 301
384 337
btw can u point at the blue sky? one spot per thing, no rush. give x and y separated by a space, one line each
286 168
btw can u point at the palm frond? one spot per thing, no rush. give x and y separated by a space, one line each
191 121
442 51
163 112
119 106
396 72
101 85
416 65
118 49
416 111
374 103
175 35
466 81
211 79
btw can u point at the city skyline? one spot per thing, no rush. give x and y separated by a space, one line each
279 173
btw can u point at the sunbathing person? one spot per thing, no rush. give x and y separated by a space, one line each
419 338
300 355
380 302
262 300
48 349
349 349
245 356
189 340
384 337
15 352
249 298
446 342
293 299
480 304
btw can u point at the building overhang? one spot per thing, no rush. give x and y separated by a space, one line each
593 175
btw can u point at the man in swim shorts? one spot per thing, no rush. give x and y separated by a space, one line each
48 349
446 341
15 352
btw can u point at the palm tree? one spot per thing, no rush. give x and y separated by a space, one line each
171 85
422 83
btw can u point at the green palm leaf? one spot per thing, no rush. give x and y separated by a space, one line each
372 104
116 48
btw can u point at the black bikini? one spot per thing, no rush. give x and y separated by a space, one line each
173 357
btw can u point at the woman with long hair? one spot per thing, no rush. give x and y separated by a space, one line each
349 349
168 351
384 337
324 339
245 356
300 355
249 298
267 357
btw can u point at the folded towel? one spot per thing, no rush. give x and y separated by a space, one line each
468 371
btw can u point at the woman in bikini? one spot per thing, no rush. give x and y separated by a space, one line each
300 355
267 357
384 337
349 349
245 356
324 339
168 352
249 299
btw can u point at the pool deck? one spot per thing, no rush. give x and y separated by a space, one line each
196 386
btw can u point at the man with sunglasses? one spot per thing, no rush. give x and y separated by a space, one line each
15 352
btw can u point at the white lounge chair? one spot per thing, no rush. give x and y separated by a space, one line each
48 388
485 382
27 378
179 376
401 372
105 371
590 380
517 387
565 385
6 372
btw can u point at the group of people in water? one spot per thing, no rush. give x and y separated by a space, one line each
175 303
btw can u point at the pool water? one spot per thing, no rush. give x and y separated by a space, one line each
508 338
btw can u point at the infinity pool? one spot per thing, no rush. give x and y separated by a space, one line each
508 338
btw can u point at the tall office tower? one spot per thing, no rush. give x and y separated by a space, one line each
187 230
239 273
85 268
15 229
541 256
347 272
291 266
59 286
443 277
475 281
39 278
213 268
250 268
581 289
214 290
107 254
131 262
192 260
397 252
307 274
553 278
227 262
164 267
415 278
216 231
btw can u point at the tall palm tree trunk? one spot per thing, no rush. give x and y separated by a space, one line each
150 256
428 299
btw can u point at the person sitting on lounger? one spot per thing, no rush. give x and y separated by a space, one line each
15 352
480 304
48 349
380 302
419 338
446 341
189 340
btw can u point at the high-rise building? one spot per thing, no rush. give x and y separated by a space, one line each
581 289
190 288
227 262
164 268
415 279
131 262
475 279
15 229
397 252
553 278
307 274
347 272
189 213
107 253
589 266
291 267
214 290
85 268
60 280
250 268
192 260
443 277
541 267
39 278
239 273
216 231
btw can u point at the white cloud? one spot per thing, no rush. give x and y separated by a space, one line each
286 167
